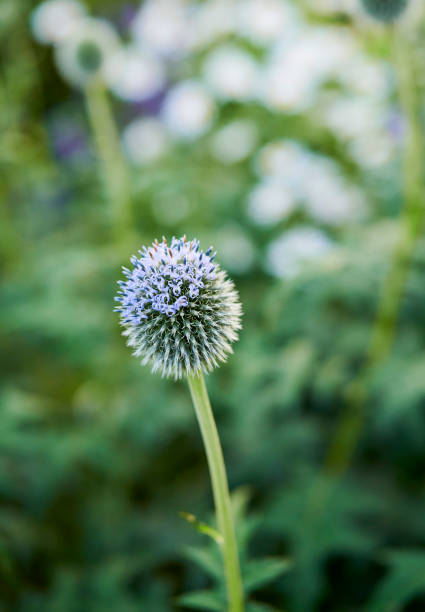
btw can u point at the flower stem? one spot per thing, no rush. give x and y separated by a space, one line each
114 169
220 488
411 222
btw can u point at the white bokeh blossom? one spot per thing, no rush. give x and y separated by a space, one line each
264 21
296 248
53 20
162 26
188 110
145 140
235 141
269 202
134 74
231 72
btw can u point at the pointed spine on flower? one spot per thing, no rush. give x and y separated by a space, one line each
179 310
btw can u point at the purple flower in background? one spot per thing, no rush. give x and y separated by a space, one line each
69 140
126 16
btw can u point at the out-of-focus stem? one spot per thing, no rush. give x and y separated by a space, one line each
11 242
411 219
114 169
221 494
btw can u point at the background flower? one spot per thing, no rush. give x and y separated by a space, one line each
231 73
145 140
188 110
288 254
83 53
53 20
387 10
133 74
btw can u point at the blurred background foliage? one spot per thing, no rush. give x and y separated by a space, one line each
273 130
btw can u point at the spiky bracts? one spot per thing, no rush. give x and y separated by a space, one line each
385 10
180 311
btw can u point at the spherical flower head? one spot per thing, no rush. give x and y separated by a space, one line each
179 310
188 110
81 57
385 10
53 20
134 74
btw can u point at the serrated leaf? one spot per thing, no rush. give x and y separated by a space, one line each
203 600
263 571
206 559
405 579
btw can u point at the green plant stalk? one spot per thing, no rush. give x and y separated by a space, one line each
411 221
220 489
108 147
11 242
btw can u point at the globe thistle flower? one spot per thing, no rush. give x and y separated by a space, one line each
270 201
385 10
145 140
134 74
162 26
53 20
288 254
234 142
231 73
188 110
82 56
179 310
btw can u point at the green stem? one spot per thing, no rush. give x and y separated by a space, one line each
114 169
412 214
411 221
220 488
11 242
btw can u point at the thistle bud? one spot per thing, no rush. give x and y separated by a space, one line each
179 310
385 10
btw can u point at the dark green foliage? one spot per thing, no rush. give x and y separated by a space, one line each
404 581
256 574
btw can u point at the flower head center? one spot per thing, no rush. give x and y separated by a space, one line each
89 56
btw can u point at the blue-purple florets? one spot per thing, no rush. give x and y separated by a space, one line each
163 279
179 310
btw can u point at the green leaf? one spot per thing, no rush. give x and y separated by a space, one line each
206 559
204 600
240 498
246 527
262 571
405 579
